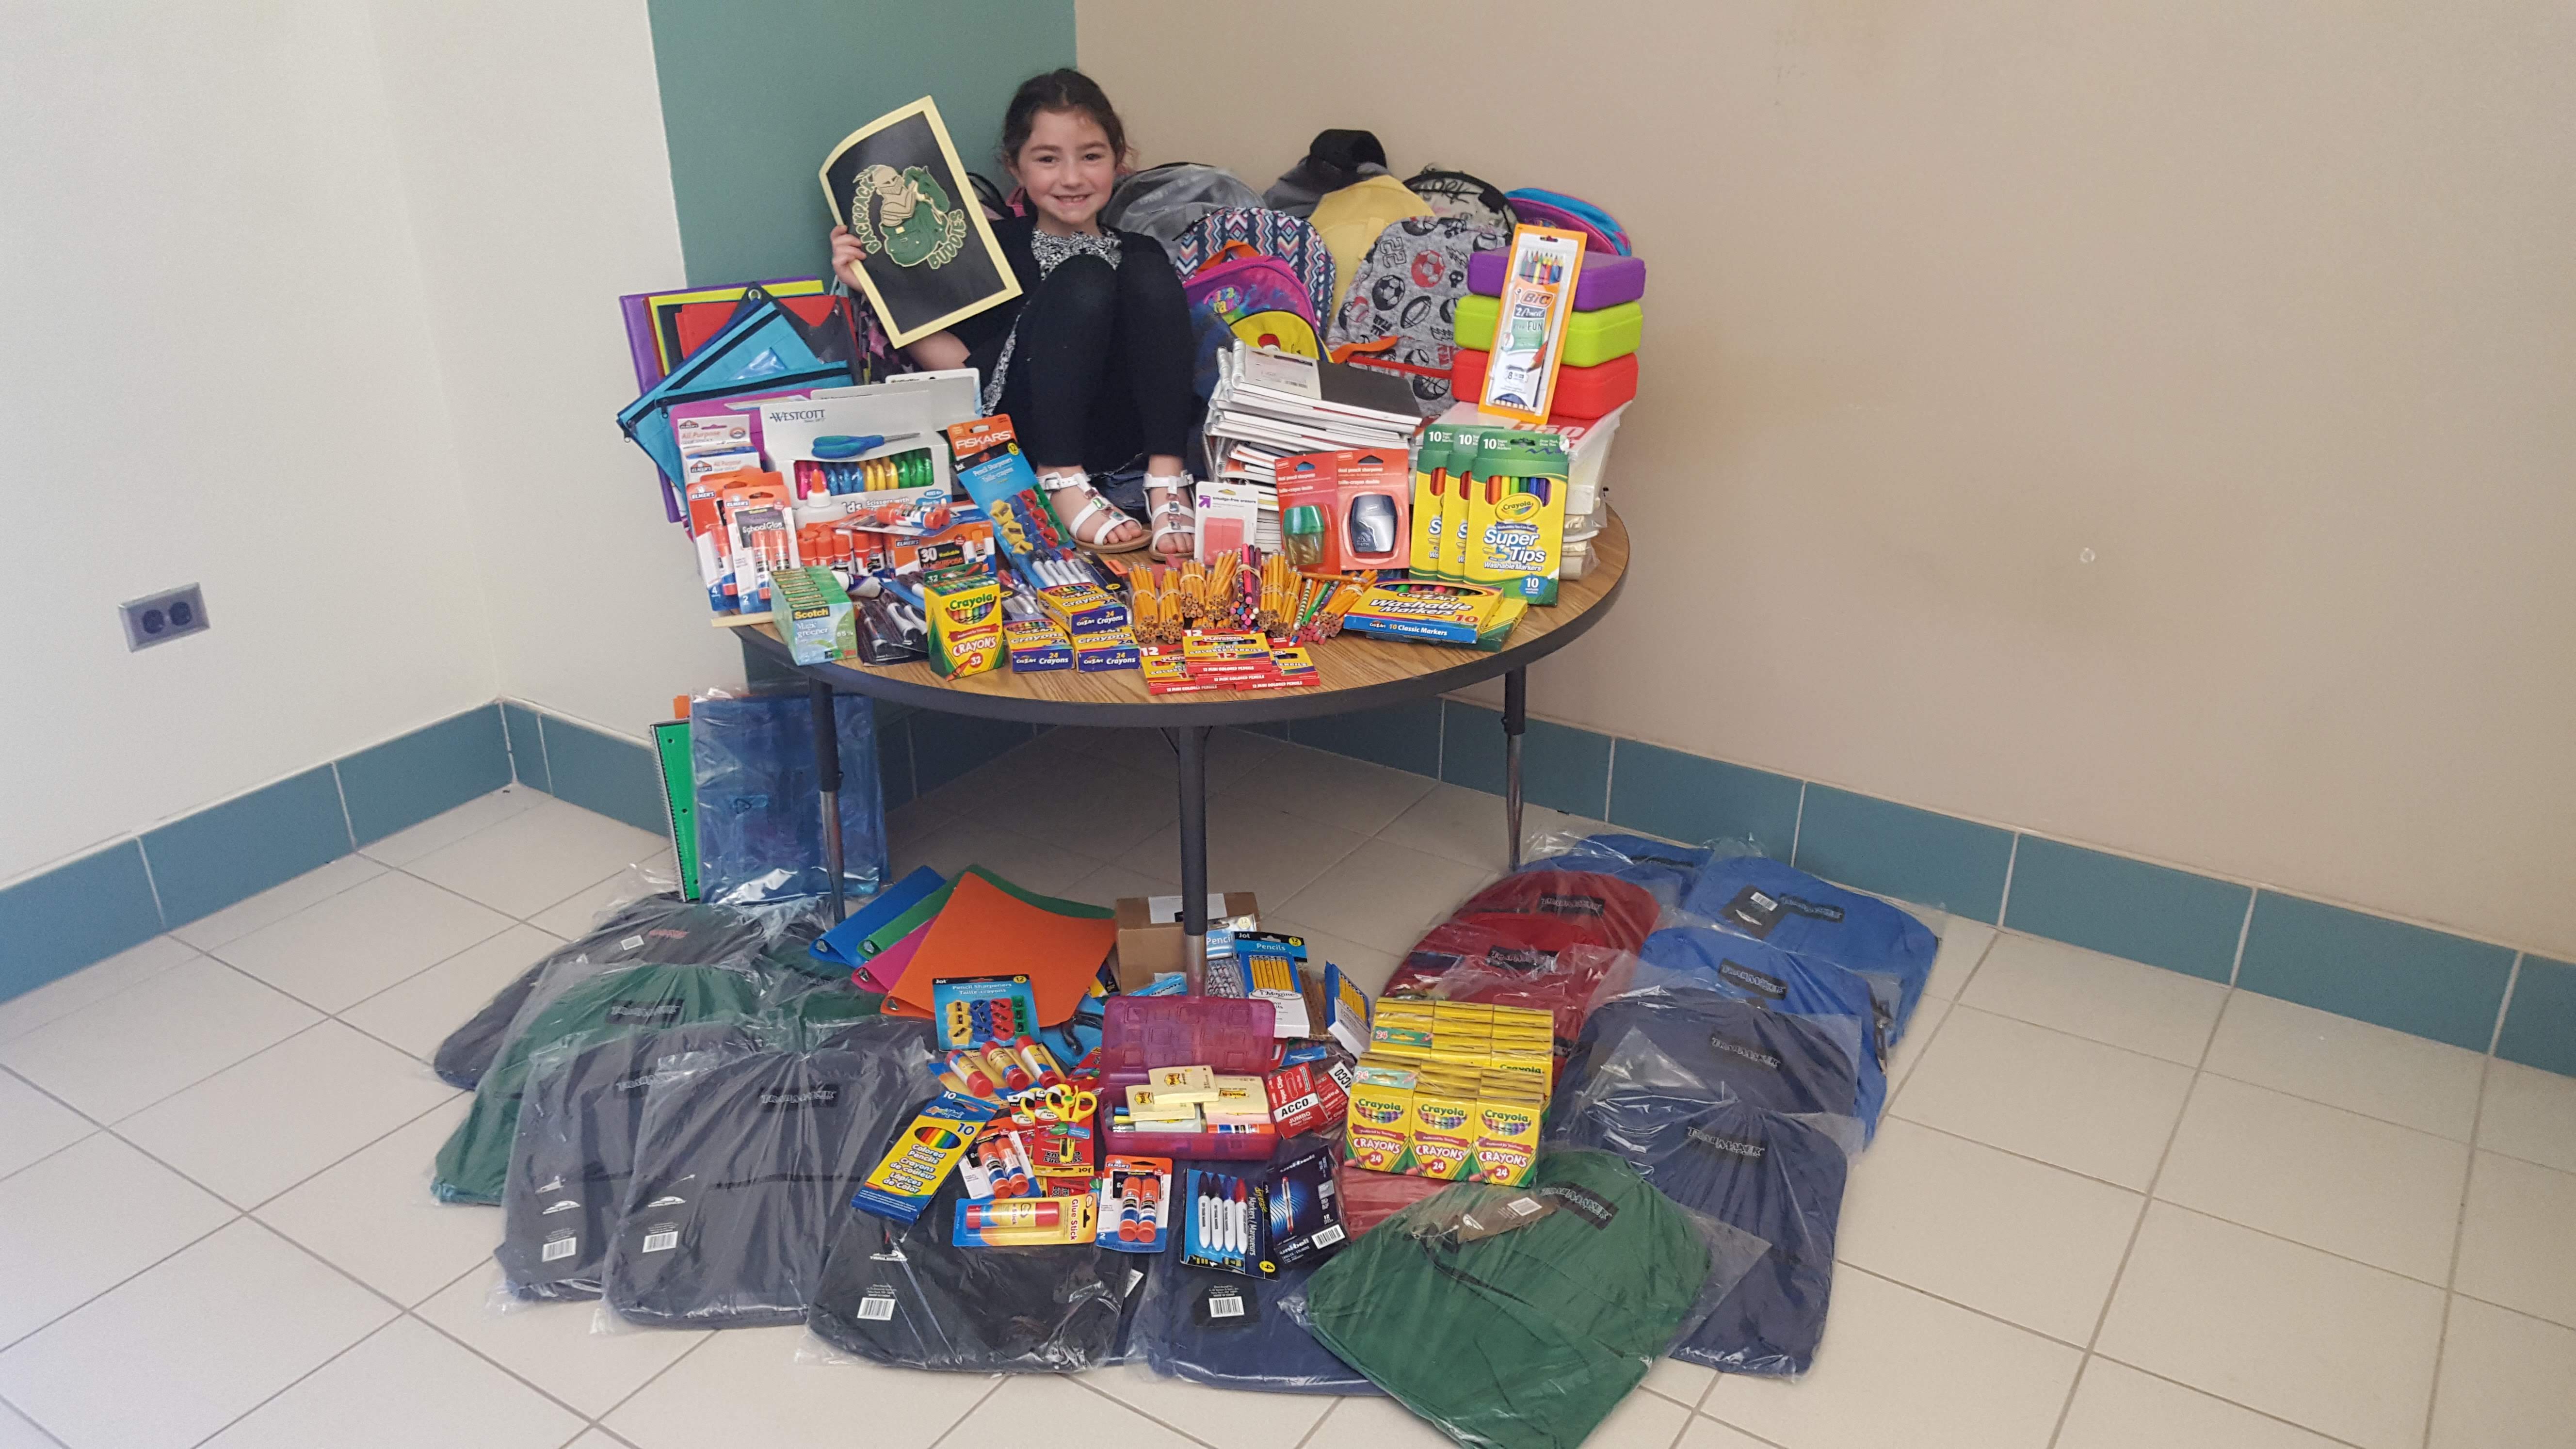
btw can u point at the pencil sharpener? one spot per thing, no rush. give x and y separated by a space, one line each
1373 526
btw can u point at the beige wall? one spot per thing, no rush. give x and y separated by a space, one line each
2266 311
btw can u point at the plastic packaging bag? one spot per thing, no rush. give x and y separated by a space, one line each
1564 983
742 1169
1518 1318
575 1151
1841 1003
1660 868
1370 1198
1777 1177
902 1294
1748 895
1522 922
468 1051
662 963
760 831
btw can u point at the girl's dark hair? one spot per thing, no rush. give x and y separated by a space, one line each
1060 90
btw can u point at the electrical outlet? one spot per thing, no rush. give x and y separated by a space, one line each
162 617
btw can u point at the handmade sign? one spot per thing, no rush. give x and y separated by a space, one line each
930 258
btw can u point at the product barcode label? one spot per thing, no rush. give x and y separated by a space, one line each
661 1242
559 1248
630 943
1134 1277
1326 1237
1224 1305
1520 1207
876 1308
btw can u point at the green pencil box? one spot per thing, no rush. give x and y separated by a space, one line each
1591 338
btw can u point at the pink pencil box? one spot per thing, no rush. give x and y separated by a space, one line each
1606 281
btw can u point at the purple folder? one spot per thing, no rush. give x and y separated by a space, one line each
1607 281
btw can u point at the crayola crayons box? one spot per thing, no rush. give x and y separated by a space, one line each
1444 1116
924 1153
1377 1131
1037 646
1503 1146
965 612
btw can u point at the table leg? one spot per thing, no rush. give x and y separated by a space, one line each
1515 723
827 782
1191 742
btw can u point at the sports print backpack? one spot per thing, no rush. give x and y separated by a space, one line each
1260 299
1268 233
1455 193
1401 315
1539 207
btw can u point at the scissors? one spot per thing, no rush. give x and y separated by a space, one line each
1059 1103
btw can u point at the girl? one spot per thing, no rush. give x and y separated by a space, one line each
1092 359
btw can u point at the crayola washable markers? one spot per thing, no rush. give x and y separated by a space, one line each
1428 460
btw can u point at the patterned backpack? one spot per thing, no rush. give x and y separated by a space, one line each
1401 314
1601 230
1455 193
1260 299
1268 233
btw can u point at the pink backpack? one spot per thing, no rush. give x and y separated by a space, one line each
1261 299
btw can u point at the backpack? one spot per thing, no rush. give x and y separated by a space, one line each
1401 313
1601 230
1333 160
1260 299
1455 193
1162 201
1351 219
1269 233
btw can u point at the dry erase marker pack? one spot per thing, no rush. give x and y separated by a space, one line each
924 1153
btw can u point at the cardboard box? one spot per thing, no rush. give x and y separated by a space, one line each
1148 948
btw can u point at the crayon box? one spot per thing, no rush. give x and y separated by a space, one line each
965 612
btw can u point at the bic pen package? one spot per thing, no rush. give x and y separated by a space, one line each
1256 1225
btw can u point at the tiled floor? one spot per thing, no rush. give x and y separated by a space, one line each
2112 1208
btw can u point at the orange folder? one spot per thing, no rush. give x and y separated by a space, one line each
985 931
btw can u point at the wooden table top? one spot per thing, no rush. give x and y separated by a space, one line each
1358 671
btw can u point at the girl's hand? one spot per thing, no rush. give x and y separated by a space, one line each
846 255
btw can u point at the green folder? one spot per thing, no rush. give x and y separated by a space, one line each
679 799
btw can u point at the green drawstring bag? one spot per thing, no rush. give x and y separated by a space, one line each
1518 1318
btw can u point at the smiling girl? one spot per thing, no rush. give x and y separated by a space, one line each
1092 360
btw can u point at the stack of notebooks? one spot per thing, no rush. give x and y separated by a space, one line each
1271 405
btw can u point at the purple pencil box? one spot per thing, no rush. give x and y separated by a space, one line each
1607 281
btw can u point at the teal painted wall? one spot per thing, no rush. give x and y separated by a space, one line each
755 92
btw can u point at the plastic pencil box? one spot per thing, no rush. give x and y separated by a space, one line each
1583 394
1591 338
1606 281
1144 1032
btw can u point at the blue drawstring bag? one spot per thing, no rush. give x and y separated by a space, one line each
1749 895
760 826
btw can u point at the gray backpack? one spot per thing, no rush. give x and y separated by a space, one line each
1163 201
1401 313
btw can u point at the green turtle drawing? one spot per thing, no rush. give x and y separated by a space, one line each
912 220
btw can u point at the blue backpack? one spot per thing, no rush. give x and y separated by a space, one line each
1537 206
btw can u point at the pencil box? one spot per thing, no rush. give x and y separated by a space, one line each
1583 394
1606 281
1591 338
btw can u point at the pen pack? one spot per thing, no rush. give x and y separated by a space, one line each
1221 1225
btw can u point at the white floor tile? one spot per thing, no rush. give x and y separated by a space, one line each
1470 827
2083 1106
417 1014
1069 1409
1683 1383
96 982
2354 1185
2031 1244
17 1433
1233 755
278 902
536 857
577 915
1212 1416
373 1218
2427 1085
1252 848
2508 1381
746 1387
1964 944
33 1125
1378 1421
1363 963
1028 863
117 1056
2117 1407
1642 1421
338 952
405 846
85 1219
1383 895
1898 1367
1112 883
1710 1434
253 1130
598 1439
222 1326
2124 1003
551 1345
2518 1238
2318 1340
1335 789
1929 1013
1091 807
405 1387
2530 1114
